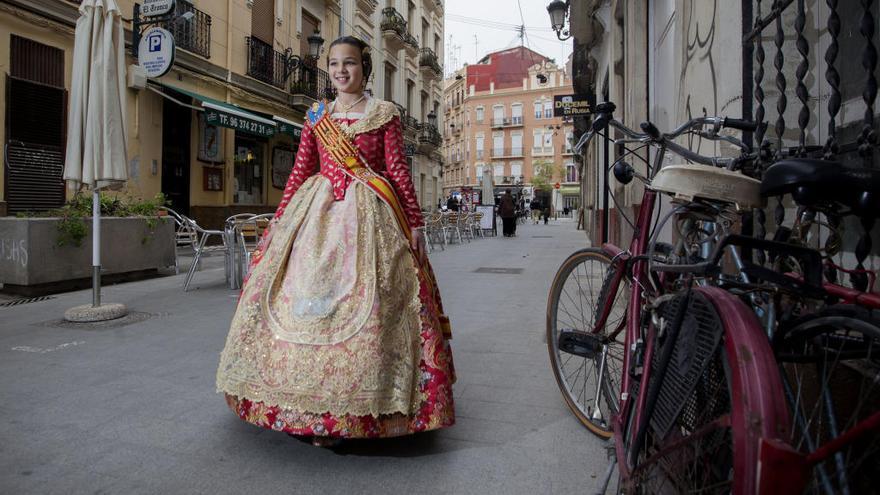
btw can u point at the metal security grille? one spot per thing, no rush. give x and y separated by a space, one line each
34 151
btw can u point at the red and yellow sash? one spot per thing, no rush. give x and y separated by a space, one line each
346 156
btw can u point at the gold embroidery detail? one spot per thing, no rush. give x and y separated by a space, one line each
377 114
356 349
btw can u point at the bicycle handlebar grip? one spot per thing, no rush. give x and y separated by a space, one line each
650 129
743 125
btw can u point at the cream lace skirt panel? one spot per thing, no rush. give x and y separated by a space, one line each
329 319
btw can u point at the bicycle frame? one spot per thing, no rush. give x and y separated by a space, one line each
752 365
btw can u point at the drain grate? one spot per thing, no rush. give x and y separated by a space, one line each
129 319
542 237
503 271
19 302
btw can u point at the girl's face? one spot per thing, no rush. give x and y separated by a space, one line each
346 68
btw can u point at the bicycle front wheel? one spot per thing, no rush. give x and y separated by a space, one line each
830 365
587 362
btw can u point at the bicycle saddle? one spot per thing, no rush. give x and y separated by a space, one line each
817 183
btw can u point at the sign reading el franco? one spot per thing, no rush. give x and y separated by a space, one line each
568 106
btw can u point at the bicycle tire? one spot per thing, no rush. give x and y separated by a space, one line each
713 444
575 295
830 362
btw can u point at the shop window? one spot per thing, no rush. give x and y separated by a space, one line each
248 175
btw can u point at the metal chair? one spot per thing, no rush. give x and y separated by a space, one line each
202 249
184 235
249 233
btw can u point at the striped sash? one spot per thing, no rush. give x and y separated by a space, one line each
347 157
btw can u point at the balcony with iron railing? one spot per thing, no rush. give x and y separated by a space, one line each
429 136
266 64
411 45
312 82
507 122
393 27
429 65
193 35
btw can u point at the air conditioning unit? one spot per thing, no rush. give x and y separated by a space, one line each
137 77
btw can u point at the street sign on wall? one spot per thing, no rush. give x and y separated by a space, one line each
156 51
152 8
568 106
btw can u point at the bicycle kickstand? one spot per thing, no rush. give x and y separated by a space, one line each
607 478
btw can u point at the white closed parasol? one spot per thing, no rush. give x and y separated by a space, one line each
96 141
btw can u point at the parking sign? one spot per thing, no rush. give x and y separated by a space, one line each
156 52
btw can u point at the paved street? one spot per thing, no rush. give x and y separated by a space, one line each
133 409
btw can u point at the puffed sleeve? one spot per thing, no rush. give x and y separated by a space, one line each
305 166
398 172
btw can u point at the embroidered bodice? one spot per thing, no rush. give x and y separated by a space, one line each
378 135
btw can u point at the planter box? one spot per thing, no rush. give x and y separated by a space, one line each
30 255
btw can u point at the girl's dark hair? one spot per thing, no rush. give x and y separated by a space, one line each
366 57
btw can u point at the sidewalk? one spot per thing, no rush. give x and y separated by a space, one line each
130 407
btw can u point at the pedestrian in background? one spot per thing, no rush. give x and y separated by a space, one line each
535 206
507 212
546 213
339 331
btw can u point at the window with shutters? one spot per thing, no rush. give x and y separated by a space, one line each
263 21
36 104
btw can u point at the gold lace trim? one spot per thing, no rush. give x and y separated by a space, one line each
376 114
352 359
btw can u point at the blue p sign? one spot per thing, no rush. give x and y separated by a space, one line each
155 43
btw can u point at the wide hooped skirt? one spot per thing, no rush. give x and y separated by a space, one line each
335 334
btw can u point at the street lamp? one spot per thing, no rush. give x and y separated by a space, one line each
432 119
558 11
315 43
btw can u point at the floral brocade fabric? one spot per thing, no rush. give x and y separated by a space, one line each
335 334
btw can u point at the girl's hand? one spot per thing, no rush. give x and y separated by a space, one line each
418 244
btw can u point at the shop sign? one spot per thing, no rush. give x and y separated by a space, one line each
291 130
210 142
152 8
568 106
214 117
156 52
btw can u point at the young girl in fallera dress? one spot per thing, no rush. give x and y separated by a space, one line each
339 331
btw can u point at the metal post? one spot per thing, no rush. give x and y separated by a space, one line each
96 248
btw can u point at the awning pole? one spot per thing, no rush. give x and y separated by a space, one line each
96 247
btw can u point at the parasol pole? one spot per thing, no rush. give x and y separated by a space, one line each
96 247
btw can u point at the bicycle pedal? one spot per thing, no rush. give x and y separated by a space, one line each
579 343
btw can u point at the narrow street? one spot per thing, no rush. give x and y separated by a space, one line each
130 407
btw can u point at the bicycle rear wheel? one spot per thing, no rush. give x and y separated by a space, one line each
715 402
830 365
587 364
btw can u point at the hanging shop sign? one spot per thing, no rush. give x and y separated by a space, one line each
568 106
156 52
152 8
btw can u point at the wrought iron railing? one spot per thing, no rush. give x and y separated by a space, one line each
192 35
393 21
428 58
410 122
265 63
311 81
410 41
850 137
428 134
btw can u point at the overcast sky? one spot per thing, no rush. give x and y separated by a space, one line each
492 22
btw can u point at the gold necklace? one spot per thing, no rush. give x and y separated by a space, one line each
346 108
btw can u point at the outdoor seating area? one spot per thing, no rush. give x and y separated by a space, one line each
446 228
236 243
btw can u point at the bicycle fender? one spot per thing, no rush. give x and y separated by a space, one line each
754 372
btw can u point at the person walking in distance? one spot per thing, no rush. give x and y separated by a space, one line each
507 212
535 207
339 331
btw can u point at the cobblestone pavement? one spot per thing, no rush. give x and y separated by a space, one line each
130 407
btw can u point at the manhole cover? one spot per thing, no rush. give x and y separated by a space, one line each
504 271
130 318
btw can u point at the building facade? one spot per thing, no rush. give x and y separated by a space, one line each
218 133
499 117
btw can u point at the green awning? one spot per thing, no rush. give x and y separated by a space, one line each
231 116
288 127
570 190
